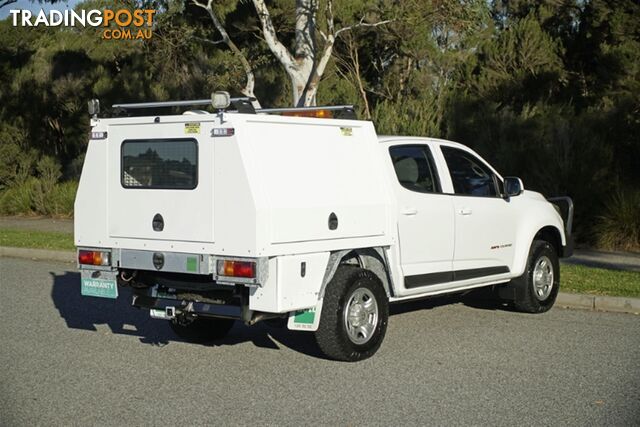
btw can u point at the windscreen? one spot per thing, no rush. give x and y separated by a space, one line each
160 164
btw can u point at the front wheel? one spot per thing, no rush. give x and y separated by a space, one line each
354 317
537 288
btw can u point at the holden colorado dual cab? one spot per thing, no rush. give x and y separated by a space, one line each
244 214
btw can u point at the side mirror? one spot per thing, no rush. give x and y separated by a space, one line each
513 186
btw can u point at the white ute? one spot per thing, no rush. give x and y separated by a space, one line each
254 215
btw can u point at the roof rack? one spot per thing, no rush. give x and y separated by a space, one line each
243 105
186 103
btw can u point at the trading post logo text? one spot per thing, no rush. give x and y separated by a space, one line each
121 24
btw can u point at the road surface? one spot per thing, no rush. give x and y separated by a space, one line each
72 360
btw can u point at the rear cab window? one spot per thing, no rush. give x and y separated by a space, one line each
415 168
159 164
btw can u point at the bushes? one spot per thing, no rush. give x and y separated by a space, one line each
18 199
33 197
619 227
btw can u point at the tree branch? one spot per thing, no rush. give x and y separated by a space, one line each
269 32
212 42
4 3
362 24
251 80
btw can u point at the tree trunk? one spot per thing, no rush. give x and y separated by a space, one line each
306 66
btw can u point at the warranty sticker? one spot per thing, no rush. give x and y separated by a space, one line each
191 128
346 131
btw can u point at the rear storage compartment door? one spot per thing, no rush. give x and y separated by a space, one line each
161 182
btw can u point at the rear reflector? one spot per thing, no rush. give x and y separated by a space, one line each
94 257
98 135
223 132
245 269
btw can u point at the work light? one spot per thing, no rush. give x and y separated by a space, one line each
94 107
220 100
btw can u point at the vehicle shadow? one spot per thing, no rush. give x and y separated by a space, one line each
478 299
88 313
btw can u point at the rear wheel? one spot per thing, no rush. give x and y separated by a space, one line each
201 329
537 288
354 317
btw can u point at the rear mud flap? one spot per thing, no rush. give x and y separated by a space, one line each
305 320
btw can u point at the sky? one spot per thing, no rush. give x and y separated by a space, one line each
35 6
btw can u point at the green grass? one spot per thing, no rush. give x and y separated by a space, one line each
598 281
36 239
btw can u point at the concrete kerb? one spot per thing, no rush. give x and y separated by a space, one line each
38 254
580 301
599 302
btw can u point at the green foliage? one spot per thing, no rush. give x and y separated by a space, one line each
18 199
36 197
412 117
619 227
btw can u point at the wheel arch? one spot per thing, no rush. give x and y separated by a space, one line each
373 259
546 232
551 235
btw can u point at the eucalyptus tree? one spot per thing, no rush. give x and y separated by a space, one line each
313 43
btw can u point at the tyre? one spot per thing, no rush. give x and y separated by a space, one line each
354 316
537 288
201 329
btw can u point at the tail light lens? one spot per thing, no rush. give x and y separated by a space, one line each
245 269
94 257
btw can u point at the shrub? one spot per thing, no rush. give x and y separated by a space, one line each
31 198
18 199
60 201
619 227
49 171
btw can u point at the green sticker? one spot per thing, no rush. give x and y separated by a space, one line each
192 264
306 316
99 288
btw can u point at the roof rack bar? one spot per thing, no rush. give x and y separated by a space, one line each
162 104
302 109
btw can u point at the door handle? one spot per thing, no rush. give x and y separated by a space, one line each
465 211
409 211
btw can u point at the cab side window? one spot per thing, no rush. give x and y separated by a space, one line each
470 176
415 168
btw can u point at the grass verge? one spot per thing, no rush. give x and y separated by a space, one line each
36 239
598 281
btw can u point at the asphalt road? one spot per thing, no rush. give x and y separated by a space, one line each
70 360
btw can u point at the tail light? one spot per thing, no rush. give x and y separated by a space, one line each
86 257
245 269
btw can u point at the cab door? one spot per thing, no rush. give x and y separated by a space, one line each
425 219
485 223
